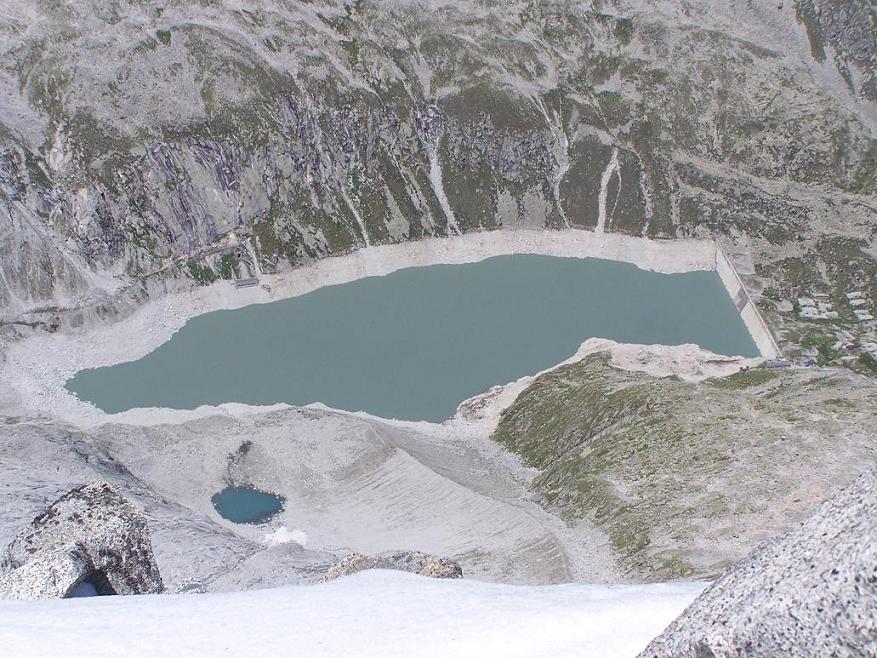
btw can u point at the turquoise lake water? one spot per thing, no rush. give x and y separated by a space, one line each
246 504
415 343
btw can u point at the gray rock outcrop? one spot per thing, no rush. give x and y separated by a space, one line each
847 28
90 535
812 592
422 564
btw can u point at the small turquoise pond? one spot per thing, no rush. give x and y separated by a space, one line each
415 343
246 504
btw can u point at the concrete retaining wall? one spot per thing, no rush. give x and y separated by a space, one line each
748 311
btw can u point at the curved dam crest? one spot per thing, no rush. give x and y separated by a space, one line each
415 343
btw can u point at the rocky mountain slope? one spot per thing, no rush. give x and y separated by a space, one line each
153 144
813 592
685 478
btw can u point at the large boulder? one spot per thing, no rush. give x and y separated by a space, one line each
90 539
812 592
422 564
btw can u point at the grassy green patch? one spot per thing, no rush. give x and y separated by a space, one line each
202 274
227 266
656 463
351 47
740 380
865 179
35 172
866 364
615 107
624 30
807 15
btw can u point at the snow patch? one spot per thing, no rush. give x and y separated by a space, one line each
435 177
610 171
283 536
375 613
357 217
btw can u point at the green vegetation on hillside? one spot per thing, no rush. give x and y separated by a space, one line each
685 478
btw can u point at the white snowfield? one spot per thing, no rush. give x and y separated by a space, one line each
377 613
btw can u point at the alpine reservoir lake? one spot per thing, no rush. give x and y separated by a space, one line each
414 344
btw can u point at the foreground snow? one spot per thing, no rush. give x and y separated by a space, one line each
378 613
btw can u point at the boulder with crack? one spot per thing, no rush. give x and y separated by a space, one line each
90 537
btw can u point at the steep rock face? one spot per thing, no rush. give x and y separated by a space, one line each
422 564
812 592
89 535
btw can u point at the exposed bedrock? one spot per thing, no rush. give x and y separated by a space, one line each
90 536
812 592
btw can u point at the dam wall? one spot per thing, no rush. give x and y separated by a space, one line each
745 306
